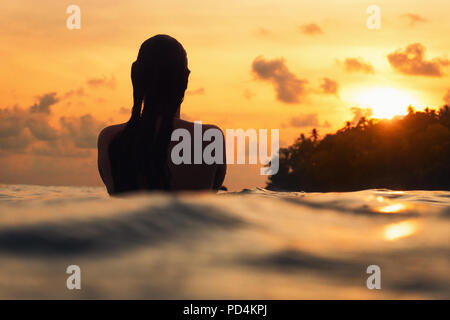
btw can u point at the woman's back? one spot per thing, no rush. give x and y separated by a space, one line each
183 176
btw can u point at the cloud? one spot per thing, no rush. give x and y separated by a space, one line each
411 61
13 132
311 29
199 91
40 128
77 92
36 147
19 128
102 82
329 86
288 87
413 18
12 121
29 130
358 65
358 113
83 131
44 103
447 97
306 120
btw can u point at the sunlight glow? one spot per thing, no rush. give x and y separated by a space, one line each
393 208
400 230
386 102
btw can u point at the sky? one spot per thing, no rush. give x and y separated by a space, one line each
291 65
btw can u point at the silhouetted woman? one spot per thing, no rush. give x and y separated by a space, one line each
136 155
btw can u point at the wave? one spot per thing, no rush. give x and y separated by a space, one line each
255 244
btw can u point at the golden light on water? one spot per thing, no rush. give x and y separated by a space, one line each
386 102
400 230
392 208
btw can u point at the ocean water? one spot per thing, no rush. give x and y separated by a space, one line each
254 244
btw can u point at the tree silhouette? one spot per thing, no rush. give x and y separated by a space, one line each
314 134
411 152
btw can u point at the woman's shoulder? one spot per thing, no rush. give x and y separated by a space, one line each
184 124
107 134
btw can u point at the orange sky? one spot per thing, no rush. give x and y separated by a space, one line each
255 64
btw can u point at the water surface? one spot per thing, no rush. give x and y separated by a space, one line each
253 244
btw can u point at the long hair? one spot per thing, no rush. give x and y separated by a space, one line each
138 155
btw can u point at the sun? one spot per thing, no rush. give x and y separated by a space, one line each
386 102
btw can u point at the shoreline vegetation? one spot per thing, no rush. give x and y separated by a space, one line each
409 153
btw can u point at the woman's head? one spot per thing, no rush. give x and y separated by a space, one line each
159 76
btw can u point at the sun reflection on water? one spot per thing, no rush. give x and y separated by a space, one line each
400 230
392 208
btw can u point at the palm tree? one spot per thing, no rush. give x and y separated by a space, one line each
302 137
348 125
314 134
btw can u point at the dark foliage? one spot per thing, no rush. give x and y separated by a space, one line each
410 152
